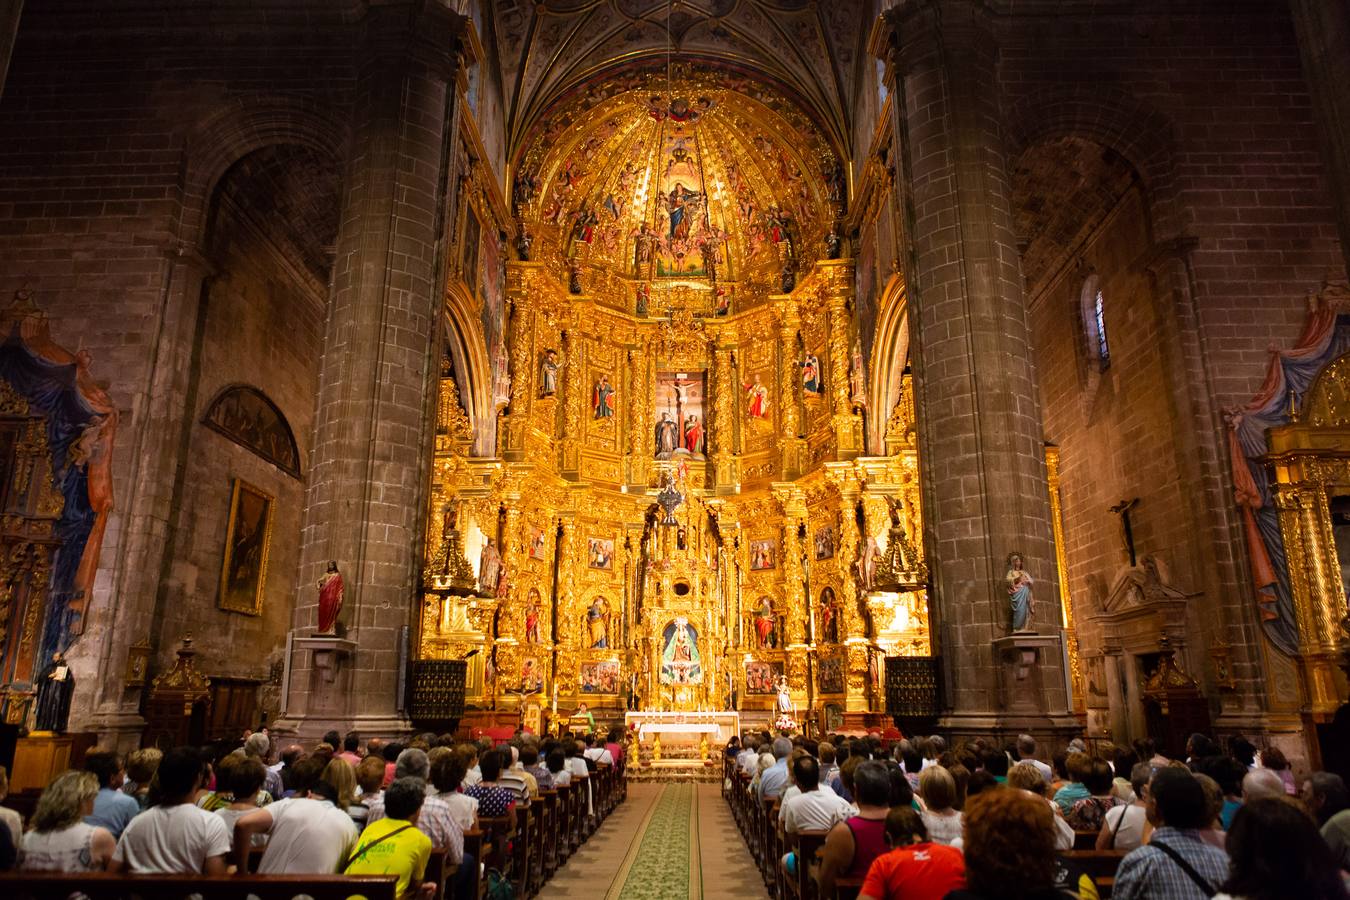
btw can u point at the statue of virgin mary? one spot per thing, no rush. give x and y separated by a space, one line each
680 662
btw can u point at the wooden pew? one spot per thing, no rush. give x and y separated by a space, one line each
520 850
439 870
1085 840
108 886
807 845
563 829
847 888
541 868
474 846
1100 865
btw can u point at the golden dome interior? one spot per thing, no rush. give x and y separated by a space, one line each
641 179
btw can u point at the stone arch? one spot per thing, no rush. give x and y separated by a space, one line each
239 127
1114 118
467 346
890 356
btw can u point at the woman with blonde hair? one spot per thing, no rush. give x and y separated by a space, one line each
60 841
340 775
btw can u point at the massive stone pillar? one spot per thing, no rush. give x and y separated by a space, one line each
375 424
1324 42
980 433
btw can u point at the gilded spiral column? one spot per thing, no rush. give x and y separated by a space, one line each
576 388
791 446
847 424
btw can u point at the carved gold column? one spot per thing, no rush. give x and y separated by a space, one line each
1070 631
726 400
575 388
847 425
792 448
642 392
524 369
571 556
792 502
1315 580
854 623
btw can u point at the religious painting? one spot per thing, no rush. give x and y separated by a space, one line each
537 541
825 542
827 617
248 532
597 624
834 717
761 676
468 263
680 659
246 416
680 430
531 676
832 674
756 400
766 627
600 553
492 278
811 377
599 677
763 554
602 399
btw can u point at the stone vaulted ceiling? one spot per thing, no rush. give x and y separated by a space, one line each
812 48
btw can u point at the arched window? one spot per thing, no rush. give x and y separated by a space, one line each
1094 322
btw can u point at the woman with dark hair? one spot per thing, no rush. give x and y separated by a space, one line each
1089 813
851 845
1273 758
915 868
1275 852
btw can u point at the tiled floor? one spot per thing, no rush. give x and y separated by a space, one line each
724 866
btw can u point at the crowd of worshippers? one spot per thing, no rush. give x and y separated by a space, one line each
922 820
344 807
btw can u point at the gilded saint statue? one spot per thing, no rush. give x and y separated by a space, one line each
548 373
783 704
489 569
330 598
1020 600
597 622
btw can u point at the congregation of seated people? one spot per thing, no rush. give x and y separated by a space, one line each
916 819
341 808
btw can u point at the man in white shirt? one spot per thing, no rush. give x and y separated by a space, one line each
307 833
813 808
174 837
773 780
1026 752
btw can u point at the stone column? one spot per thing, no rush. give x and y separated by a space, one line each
369 468
1323 30
979 426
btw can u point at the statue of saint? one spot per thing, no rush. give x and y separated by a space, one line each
548 373
601 399
829 617
532 620
765 624
489 569
667 437
1019 593
55 686
783 705
330 598
597 621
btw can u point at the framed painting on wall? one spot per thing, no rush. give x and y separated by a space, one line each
763 554
248 534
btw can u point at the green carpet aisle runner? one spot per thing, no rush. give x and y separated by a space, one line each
664 861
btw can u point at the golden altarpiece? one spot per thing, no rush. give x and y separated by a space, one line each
680 510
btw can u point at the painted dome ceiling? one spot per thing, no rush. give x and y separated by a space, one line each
547 47
709 178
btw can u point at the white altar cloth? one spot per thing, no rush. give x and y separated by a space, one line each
720 726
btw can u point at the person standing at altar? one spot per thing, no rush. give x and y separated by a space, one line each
582 710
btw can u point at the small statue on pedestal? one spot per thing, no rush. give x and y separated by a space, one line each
55 686
330 598
1020 599
489 569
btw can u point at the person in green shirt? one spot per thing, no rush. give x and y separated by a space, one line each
393 845
583 711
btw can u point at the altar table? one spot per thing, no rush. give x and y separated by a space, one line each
720 727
